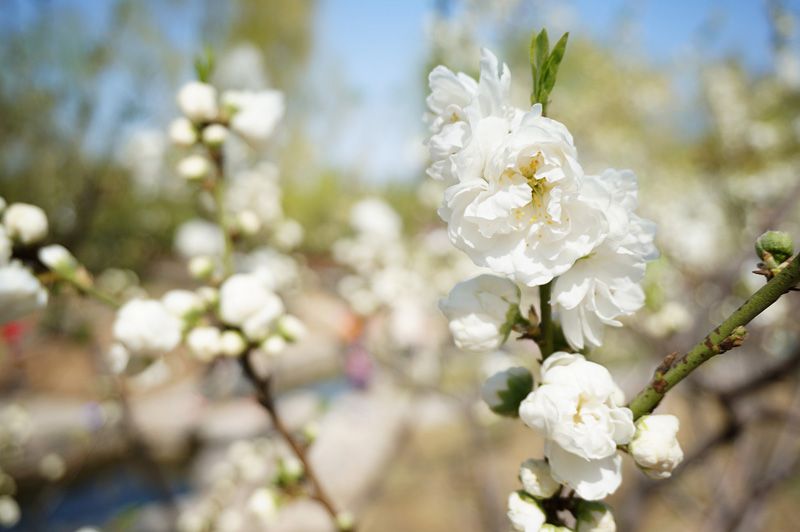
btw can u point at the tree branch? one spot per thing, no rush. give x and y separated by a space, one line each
729 334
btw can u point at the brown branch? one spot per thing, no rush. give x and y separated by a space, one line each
263 388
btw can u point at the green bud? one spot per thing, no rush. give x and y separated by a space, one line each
504 391
777 244
594 515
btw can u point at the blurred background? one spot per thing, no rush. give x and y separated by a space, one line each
700 99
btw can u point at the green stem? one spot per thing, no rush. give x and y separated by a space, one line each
728 335
219 200
546 344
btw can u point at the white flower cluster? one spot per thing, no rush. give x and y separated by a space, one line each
23 226
208 117
519 203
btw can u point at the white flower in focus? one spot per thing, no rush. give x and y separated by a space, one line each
604 285
516 208
505 390
247 301
655 446
595 517
537 480
146 327
375 218
9 511
232 344
182 303
255 113
21 293
182 132
199 237
25 223
198 101
524 513
194 167
577 408
57 258
215 135
480 311
204 342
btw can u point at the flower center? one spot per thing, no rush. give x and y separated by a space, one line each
539 188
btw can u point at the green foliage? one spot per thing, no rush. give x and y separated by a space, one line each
544 66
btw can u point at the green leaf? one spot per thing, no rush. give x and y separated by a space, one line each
551 64
204 64
540 48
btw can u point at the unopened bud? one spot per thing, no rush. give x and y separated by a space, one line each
504 391
58 259
194 167
775 244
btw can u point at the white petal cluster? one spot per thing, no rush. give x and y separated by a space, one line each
604 285
246 300
145 327
537 480
481 311
655 445
577 408
513 203
198 101
254 113
525 513
519 203
25 223
21 293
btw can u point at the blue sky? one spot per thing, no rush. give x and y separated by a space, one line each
378 49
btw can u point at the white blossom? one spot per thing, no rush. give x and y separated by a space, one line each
255 113
274 345
232 344
182 132
595 517
57 258
215 135
194 167
21 293
524 513
374 217
537 480
655 446
288 234
25 223
182 303
263 504
204 342
146 327
199 237
198 101
247 301
604 285
577 408
480 310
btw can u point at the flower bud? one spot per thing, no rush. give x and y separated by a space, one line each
263 503
209 295
505 390
345 521
182 132
290 471
524 512
481 311
537 480
248 222
194 167
655 446
201 268
58 259
183 304
232 344
778 244
291 328
25 223
204 343
274 345
215 135
198 101
593 516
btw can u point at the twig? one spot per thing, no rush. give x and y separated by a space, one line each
727 335
263 387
